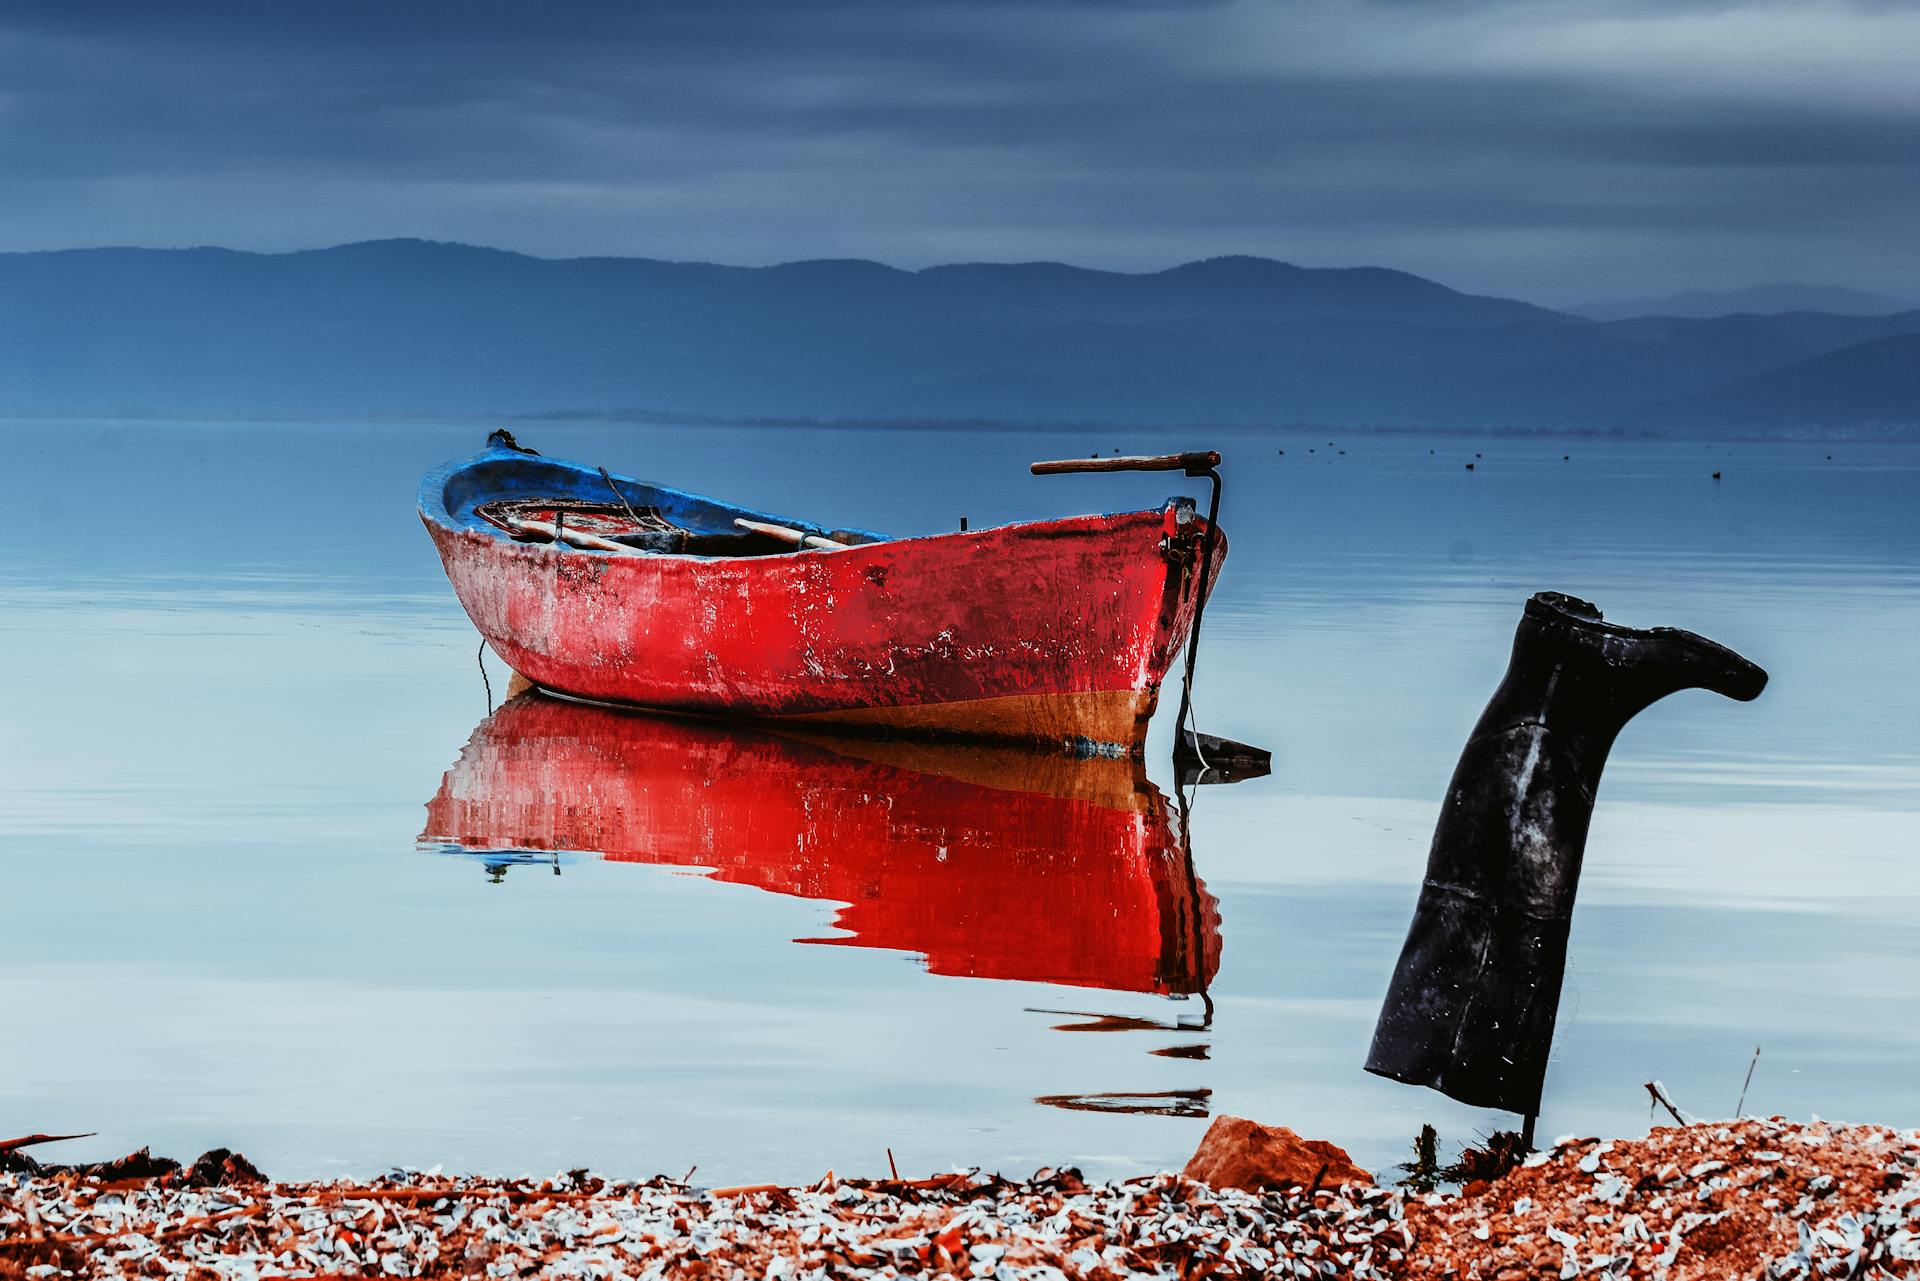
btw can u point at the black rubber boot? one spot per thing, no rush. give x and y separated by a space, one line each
1471 1008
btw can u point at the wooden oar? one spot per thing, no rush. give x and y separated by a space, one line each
799 538
577 537
1197 463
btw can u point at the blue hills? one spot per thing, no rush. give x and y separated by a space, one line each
401 327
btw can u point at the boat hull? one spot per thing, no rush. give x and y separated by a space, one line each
1056 632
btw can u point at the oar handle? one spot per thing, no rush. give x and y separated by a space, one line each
1198 463
798 537
578 537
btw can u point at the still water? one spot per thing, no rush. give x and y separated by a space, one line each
278 871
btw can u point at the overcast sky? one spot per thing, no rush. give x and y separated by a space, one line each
1550 150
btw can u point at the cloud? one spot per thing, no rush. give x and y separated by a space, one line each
1549 148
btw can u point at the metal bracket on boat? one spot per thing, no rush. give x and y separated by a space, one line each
1177 547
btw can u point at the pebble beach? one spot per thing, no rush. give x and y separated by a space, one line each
1752 1197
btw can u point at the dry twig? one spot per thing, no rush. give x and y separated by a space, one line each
29 1140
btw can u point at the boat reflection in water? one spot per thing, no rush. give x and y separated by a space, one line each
989 862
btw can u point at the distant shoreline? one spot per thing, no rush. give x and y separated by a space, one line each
659 418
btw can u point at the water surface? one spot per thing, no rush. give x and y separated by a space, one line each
281 874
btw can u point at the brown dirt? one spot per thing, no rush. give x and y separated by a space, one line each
1700 1201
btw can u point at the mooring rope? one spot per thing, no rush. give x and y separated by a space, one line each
481 658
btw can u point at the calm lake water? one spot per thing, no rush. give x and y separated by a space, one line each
241 694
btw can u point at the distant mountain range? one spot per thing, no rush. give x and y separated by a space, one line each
1862 385
414 327
1756 300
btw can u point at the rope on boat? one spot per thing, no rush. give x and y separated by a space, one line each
481 658
608 477
1185 718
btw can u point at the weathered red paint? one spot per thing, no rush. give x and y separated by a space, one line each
1052 631
1011 865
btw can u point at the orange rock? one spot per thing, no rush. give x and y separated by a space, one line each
1238 1153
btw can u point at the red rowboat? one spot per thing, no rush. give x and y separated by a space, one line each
617 590
990 862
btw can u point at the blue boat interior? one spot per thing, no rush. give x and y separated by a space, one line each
511 492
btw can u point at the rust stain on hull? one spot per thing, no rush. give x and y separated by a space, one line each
1097 716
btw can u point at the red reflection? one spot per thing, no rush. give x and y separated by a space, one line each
990 862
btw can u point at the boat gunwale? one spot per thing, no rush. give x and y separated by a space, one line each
431 501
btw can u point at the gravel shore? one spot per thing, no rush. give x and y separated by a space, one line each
1750 1198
